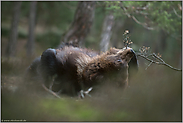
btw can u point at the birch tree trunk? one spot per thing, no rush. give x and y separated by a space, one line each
81 25
106 32
32 17
11 48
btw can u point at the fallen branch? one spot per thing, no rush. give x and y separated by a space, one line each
50 91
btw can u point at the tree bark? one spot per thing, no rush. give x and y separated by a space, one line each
106 32
32 17
81 25
11 48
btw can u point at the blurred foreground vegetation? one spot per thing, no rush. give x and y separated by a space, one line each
155 94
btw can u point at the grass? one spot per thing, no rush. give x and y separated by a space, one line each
154 95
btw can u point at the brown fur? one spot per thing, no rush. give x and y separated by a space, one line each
112 61
89 68
77 68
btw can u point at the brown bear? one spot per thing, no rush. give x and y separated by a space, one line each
72 69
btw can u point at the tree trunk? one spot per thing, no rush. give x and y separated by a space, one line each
32 16
118 30
81 25
106 32
11 48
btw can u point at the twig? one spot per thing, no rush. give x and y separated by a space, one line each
157 57
142 13
177 13
50 91
143 24
143 8
133 17
158 63
148 65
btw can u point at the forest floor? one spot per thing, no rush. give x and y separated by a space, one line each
154 94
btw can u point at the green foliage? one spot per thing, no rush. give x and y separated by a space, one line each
113 7
163 14
166 15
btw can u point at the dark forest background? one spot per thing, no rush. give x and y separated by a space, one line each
29 28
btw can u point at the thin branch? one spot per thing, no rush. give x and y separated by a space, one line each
143 8
131 16
142 13
50 91
143 24
158 63
148 65
139 9
177 13
125 11
157 57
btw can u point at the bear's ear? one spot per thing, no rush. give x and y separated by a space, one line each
113 51
125 55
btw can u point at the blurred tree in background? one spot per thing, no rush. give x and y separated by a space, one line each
11 47
32 17
81 24
106 32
